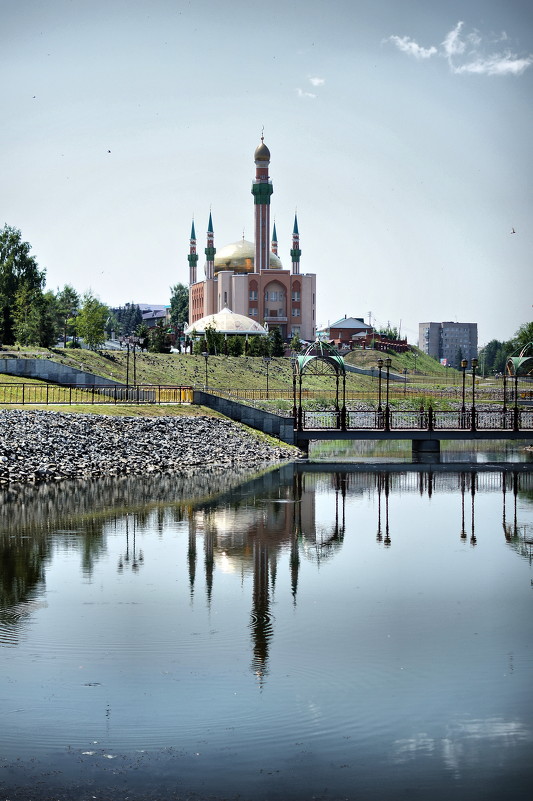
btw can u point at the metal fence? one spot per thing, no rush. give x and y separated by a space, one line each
73 394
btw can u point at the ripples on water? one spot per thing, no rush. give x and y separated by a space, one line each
305 633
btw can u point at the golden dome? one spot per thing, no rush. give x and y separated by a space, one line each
239 257
262 153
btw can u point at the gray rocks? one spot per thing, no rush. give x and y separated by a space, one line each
37 446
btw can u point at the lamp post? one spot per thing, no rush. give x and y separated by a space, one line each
205 354
405 380
515 422
464 365
504 409
473 421
388 362
266 360
380 367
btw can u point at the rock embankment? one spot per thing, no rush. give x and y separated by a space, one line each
40 446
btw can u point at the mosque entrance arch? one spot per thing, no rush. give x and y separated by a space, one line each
319 359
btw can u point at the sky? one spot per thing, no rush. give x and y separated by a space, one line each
400 131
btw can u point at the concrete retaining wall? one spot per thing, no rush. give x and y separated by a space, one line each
46 370
273 424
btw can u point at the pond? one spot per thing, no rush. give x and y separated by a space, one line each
312 632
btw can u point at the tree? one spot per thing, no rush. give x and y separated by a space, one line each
277 346
179 306
26 315
142 331
68 302
296 343
214 340
159 339
17 268
91 320
524 335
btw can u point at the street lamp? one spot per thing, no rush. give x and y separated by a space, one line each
266 360
205 354
515 426
504 410
405 380
388 363
380 367
474 365
464 365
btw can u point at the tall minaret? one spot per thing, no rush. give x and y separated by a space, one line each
274 247
193 256
261 190
295 250
210 251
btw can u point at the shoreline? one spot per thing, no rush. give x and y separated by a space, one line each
38 446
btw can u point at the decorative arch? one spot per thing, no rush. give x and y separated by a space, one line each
522 364
320 358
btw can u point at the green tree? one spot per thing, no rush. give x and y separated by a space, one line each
17 268
524 335
277 346
68 302
143 332
26 315
51 320
296 343
179 306
91 321
235 345
214 340
159 339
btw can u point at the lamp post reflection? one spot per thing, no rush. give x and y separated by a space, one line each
133 560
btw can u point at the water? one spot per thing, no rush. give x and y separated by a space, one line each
309 633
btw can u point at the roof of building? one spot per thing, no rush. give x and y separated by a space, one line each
227 322
239 257
350 322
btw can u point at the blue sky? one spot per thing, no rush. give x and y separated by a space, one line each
400 130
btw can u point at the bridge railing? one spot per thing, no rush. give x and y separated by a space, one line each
422 420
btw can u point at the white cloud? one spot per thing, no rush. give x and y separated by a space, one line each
317 81
407 45
309 95
465 54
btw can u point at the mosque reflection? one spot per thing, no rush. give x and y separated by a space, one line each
235 524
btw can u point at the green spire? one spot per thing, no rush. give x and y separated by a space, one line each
210 226
295 229
193 232
274 234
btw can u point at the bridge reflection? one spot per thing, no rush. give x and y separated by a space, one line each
250 533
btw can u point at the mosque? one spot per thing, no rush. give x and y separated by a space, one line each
248 278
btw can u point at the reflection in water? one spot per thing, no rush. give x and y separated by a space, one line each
367 635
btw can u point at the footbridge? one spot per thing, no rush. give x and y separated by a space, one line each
426 429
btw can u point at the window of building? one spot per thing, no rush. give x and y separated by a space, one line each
253 294
295 295
252 312
296 312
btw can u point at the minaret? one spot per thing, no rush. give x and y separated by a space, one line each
295 251
261 190
193 256
210 252
274 247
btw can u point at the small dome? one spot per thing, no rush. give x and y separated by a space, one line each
239 257
227 322
262 153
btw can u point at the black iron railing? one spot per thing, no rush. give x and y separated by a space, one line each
73 394
515 419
